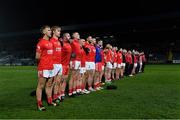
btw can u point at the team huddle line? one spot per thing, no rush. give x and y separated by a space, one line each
86 60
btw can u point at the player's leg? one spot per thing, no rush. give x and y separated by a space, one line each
48 90
85 82
140 68
56 87
76 76
72 75
122 69
39 89
91 75
65 73
118 70
96 77
101 76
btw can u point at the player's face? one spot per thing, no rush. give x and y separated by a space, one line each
100 43
57 32
68 36
89 38
82 42
94 41
47 31
76 36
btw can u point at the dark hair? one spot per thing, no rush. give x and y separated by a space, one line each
55 28
44 27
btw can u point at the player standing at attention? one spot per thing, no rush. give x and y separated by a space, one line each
134 62
119 64
75 63
108 61
44 54
124 52
114 59
56 61
82 80
90 62
66 56
98 62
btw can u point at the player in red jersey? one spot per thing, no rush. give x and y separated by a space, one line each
90 62
119 71
108 61
75 63
134 62
114 59
44 54
65 60
129 63
123 65
56 61
82 81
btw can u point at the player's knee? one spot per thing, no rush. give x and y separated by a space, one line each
49 84
41 85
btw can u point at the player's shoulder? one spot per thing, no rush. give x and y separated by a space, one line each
52 40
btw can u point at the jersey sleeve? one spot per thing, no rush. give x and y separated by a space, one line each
39 48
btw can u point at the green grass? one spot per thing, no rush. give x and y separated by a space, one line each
153 94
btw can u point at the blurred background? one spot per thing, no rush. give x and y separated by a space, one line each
147 25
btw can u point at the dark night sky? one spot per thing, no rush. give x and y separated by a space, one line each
20 15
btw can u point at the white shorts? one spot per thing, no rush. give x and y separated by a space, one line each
102 67
123 64
114 65
90 66
75 65
140 63
119 65
109 65
57 69
82 70
46 73
135 65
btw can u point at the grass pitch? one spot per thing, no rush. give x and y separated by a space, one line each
153 94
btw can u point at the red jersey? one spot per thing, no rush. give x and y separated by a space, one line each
135 59
76 49
129 58
108 56
66 53
119 58
114 57
83 57
56 50
103 61
45 48
90 57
